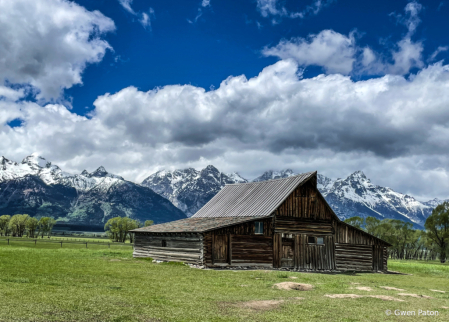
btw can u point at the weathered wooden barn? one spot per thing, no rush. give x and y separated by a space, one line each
282 223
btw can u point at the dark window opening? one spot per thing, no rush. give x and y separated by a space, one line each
259 227
164 243
315 240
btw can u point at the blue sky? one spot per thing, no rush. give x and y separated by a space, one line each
139 86
228 37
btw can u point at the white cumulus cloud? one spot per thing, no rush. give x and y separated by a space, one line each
392 127
331 50
48 43
338 53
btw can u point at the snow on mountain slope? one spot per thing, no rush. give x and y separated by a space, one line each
51 174
237 178
190 189
38 188
352 196
357 196
270 175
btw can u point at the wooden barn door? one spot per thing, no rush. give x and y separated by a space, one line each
220 249
288 251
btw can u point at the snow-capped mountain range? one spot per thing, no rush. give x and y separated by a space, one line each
355 195
190 189
38 188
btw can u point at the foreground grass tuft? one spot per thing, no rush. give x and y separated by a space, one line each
75 284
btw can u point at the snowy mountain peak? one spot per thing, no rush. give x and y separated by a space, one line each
99 173
434 202
210 168
35 161
43 189
189 189
5 163
270 175
236 177
358 175
324 183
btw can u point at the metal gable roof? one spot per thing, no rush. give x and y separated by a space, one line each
254 199
193 225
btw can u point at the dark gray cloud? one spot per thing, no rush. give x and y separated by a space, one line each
392 127
389 127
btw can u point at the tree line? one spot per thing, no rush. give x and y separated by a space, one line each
409 243
118 228
21 225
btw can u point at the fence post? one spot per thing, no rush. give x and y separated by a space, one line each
8 241
35 242
109 244
61 243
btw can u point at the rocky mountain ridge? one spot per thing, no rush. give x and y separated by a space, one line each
38 188
190 189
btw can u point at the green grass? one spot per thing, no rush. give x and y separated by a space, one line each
42 283
67 242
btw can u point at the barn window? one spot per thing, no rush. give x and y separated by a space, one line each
259 227
164 243
315 240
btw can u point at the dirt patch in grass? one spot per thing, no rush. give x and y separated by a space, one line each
386 298
390 288
438 291
416 296
115 260
363 288
293 286
293 277
343 296
261 305
357 296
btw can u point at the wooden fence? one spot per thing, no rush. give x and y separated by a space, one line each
61 242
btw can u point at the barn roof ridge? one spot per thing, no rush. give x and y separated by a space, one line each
255 199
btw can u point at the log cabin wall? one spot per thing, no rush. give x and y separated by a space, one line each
353 257
306 255
173 247
239 245
346 234
378 258
306 214
305 202
302 233
358 250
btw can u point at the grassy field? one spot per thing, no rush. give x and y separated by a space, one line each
42 283
56 239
